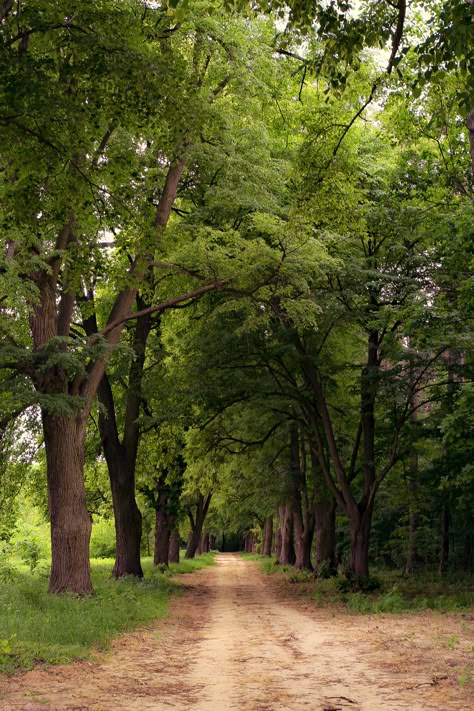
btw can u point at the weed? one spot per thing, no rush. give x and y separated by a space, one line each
466 677
453 641
300 576
38 627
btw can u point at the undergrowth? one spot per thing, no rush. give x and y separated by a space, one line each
385 592
38 628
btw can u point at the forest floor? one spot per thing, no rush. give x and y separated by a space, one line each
237 639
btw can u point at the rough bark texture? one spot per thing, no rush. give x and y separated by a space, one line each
70 522
267 536
360 540
173 554
128 525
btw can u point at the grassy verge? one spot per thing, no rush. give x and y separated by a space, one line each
397 594
37 628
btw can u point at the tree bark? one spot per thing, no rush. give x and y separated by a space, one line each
325 515
212 542
162 530
303 509
128 525
174 546
267 536
360 540
325 523
197 523
71 523
205 542
278 540
287 551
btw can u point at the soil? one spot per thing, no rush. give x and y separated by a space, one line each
236 639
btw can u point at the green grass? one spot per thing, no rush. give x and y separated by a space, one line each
423 591
37 628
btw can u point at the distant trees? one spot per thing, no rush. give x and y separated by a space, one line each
148 160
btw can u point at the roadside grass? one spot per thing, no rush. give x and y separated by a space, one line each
38 628
397 593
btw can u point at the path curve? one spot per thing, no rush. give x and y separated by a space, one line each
235 642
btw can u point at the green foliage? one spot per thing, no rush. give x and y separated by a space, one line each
354 583
39 628
102 539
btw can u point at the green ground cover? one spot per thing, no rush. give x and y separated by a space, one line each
37 628
396 593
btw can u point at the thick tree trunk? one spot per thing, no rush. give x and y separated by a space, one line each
267 536
162 536
70 521
205 543
174 546
303 536
287 552
128 525
325 513
444 548
278 543
303 510
360 540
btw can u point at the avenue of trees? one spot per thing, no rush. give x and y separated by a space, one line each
236 279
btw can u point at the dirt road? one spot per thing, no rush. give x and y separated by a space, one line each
234 640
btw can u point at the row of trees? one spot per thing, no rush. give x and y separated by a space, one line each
235 267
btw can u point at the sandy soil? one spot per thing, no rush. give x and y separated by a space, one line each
236 640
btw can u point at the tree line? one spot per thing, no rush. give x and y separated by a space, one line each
236 272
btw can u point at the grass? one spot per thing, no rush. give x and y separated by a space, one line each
397 594
38 628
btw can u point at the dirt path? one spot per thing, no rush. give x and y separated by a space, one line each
234 641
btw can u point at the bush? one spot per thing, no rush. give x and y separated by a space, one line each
358 584
103 539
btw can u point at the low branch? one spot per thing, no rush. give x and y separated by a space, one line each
164 305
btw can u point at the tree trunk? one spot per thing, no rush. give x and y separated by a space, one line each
128 524
174 546
162 536
360 540
287 552
412 529
70 521
278 543
325 513
444 548
205 543
197 523
212 542
303 536
267 536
